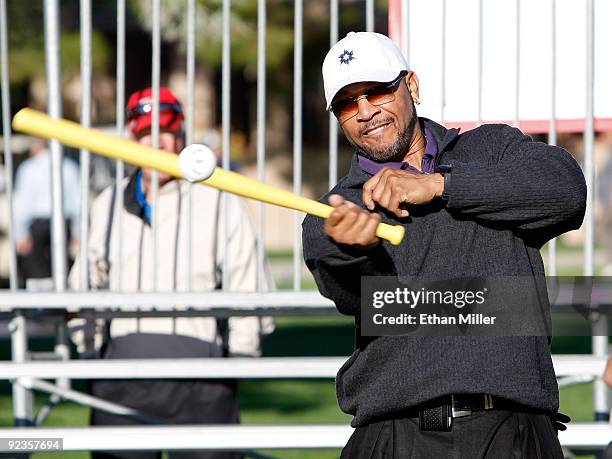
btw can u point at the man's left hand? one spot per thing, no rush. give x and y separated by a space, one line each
390 188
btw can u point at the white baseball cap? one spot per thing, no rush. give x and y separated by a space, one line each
361 56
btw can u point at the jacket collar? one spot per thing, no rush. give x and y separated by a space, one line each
443 137
129 198
130 202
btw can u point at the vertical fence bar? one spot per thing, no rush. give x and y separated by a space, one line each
333 124
226 128
86 82
600 325
297 140
370 15
22 398
552 127
517 76
61 347
588 267
23 401
6 140
54 86
261 135
119 128
443 64
190 123
155 77
406 29
58 223
480 59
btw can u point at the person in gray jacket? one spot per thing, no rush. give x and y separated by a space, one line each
120 258
476 204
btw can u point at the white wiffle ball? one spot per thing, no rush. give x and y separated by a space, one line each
197 162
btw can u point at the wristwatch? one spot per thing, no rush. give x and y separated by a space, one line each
445 171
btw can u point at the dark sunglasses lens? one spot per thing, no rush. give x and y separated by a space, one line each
380 98
337 107
387 88
384 93
379 95
346 109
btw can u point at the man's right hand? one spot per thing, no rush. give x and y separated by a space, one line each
349 224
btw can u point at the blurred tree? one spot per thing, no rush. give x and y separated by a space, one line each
26 44
209 22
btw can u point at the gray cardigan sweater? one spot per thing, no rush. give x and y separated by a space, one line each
508 196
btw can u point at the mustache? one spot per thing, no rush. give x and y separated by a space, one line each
374 124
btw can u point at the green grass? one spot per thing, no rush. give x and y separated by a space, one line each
577 402
284 255
305 284
297 401
290 402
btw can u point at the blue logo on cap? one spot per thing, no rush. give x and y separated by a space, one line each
346 57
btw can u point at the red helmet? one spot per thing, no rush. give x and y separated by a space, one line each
139 111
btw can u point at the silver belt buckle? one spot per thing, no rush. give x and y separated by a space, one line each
488 405
458 413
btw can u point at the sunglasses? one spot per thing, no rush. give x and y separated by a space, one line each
345 109
147 108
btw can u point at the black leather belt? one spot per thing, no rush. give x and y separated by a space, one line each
438 414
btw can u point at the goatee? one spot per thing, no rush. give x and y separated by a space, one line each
395 152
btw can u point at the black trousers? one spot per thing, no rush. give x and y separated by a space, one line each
37 264
491 434
172 402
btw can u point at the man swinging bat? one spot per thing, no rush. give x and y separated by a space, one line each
480 203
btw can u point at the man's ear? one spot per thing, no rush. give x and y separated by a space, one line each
412 82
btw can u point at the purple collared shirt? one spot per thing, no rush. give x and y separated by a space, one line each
427 165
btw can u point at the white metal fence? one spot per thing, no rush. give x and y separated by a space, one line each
27 374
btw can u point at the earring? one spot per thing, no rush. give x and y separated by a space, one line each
416 101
